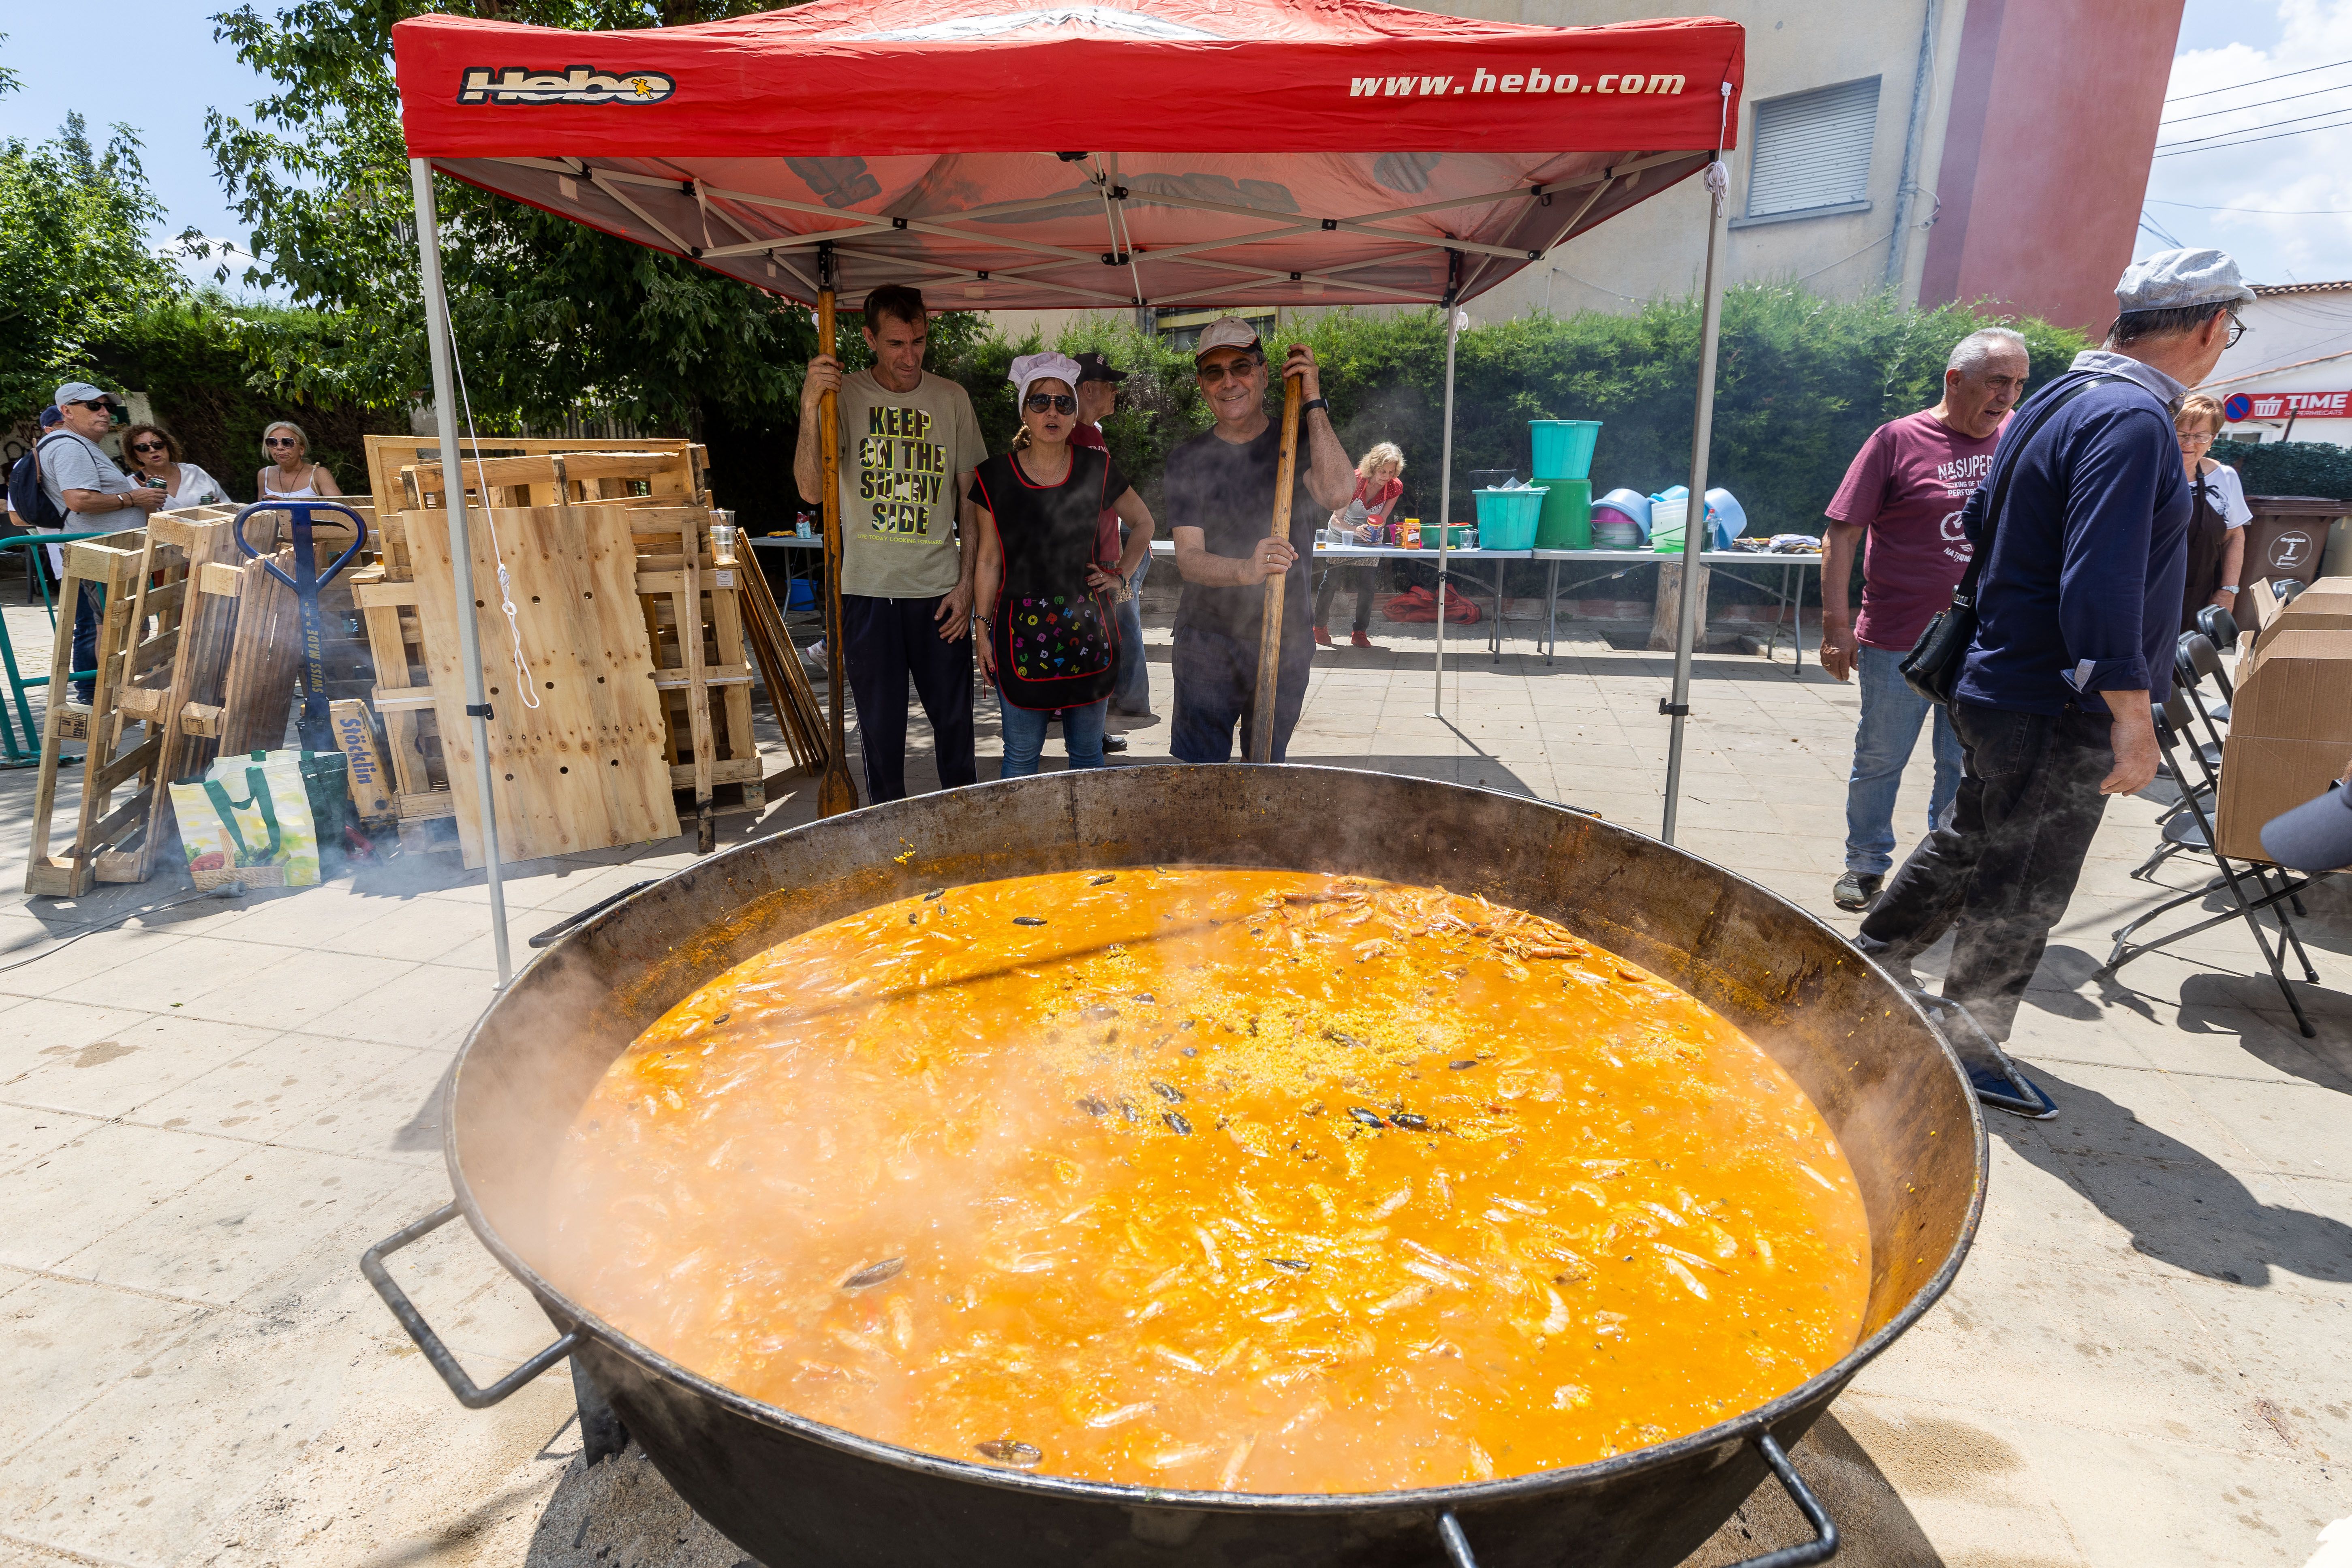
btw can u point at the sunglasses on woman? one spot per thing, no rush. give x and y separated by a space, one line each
1059 401
281 441
149 447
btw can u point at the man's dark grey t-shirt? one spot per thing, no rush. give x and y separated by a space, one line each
1226 490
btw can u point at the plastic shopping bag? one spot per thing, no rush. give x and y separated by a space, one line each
248 820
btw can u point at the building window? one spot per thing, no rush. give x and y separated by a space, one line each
1810 152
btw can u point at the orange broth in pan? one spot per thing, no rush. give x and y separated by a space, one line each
1216 1180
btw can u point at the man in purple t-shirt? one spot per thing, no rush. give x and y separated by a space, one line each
1905 492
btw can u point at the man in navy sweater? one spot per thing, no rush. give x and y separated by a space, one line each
2077 606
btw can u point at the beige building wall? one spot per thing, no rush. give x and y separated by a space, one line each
1659 248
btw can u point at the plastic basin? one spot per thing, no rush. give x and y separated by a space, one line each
1506 519
1564 446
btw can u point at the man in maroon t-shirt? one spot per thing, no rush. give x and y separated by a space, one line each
1905 492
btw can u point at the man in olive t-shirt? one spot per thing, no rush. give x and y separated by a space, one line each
909 444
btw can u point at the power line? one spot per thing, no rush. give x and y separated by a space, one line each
2184 150
2267 212
2266 103
2267 125
2257 81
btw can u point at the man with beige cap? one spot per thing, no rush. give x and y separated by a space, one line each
1219 497
2081 526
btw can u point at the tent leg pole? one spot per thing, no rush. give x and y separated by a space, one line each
1695 513
461 551
1445 515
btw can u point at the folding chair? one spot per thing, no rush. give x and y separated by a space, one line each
2192 658
2194 832
2221 628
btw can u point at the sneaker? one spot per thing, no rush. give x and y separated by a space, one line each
1361 640
1114 743
1323 637
1855 890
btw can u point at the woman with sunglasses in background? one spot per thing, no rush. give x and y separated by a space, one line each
1045 594
154 459
291 476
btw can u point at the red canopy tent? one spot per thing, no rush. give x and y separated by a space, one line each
993 154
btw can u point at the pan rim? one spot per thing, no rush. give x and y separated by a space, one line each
1727 1434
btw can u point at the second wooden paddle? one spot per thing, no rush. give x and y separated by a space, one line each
1269 646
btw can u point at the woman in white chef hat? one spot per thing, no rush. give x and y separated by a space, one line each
1045 637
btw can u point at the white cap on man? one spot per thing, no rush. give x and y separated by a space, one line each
83 391
2181 281
1225 332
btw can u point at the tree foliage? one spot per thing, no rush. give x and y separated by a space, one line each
75 263
549 315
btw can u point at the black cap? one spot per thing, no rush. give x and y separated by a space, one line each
1093 366
2316 835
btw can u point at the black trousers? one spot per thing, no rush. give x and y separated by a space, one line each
885 641
1999 870
1361 576
1216 690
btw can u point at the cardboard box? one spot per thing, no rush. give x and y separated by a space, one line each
2290 726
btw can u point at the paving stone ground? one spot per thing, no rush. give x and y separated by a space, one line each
207 1111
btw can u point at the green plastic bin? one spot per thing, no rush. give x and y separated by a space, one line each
1565 522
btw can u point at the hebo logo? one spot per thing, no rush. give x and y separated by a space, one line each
1529 80
574 84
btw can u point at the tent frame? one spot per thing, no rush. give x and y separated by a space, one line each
617 184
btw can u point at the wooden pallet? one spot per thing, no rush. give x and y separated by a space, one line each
703 678
152 641
584 768
681 476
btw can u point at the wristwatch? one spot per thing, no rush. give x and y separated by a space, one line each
1314 403
2227 588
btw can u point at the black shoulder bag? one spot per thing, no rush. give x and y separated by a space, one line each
1932 667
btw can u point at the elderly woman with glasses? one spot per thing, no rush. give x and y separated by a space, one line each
291 476
1045 592
2217 522
155 461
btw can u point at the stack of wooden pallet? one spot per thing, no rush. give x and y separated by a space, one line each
197 649
562 520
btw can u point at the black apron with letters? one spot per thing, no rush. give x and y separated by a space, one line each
1052 634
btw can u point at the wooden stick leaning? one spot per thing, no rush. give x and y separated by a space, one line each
1269 646
838 792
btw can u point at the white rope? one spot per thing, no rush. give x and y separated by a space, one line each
1719 175
482 486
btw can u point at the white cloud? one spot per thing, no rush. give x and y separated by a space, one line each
2304 181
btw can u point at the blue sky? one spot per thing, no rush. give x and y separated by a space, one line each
169 43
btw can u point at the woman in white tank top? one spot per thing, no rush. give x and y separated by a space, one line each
290 475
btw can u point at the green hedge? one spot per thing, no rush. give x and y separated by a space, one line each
1802 382
2290 468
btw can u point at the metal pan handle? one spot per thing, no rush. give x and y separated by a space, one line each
1821 1549
469 1395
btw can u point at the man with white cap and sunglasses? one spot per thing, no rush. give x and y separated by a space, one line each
2077 611
1219 494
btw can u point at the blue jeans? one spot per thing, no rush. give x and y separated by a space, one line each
1024 736
89 609
1132 695
1891 714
